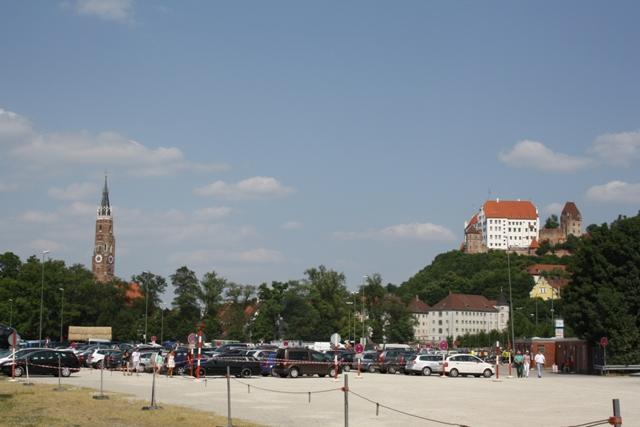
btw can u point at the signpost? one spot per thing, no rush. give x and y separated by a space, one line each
604 342
443 345
13 342
559 328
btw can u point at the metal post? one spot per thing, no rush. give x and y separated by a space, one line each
59 388
229 424
604 356
101 396
513 338
346 400
146 305
616 413
61 313
41 298
153 404
10 312
26 365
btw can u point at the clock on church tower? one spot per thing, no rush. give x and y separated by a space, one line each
104 249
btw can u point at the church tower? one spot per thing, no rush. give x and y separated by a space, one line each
104 250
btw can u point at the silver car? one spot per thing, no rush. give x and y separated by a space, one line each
424 364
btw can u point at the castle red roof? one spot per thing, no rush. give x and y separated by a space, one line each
557 283
534 244
464 302
510 209
417 306
536 269
133 292
571 209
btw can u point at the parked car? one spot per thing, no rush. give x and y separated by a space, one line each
267 363
294 362
393 360
44 362
7 357
239 366
467 364
369 361
424 364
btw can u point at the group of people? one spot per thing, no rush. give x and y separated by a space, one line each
523 363
131 362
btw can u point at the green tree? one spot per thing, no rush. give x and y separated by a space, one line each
211 294
328 295
552 221
603 297
187 309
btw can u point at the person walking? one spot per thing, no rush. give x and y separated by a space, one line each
171 363
539 359
526 363
519 362
159 361
135 361
126 356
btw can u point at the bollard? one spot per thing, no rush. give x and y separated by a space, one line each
13 367
359 377
101 396
153 404
26 366
442 375
229 421
346 400
616 420
59 388
497 379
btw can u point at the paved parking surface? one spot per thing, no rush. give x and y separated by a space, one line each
555 400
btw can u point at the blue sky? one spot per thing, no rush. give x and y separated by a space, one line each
259 139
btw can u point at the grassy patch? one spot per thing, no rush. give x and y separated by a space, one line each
41 405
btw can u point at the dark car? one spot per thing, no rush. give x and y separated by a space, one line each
369 361
239 366
393 360
294 362
44 362
267 363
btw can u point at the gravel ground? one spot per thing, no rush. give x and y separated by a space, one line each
554 400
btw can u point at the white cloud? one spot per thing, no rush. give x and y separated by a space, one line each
553 208
6 187
39 217
413 231
292 225
257 187
615 192
75 191
535 155
41 245
214 212
111 10
13 127
81 209
618 149
211 257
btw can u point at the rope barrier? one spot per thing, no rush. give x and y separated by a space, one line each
592 423
380 405
309 393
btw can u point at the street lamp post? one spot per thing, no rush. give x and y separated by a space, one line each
364 279
10 312
349 324
61 313
146 302
513 339
41 298
161 323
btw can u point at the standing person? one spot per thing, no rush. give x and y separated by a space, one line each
519 361
527 364
159 361
539 359
126 360
135 361
171 363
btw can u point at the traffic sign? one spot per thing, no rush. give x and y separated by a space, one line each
359 348
13 339
191 339
335 339
154 338
444 345
604 341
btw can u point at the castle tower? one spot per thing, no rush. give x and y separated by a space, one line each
571 220
104 250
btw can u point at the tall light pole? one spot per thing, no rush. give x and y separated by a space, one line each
61 312
349 324
513 339
146 302
364 280
41 298
10 312
161 323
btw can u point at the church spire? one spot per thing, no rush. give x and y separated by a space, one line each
105 207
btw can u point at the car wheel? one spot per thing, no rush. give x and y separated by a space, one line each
332 372
426 371
346 368
245 373
273 372
487 373
65 372
180 370
294 373
19 371
392 370
202 373
371 369
454 373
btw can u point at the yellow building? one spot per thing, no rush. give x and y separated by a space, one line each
547 288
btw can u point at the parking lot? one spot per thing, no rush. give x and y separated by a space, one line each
555 400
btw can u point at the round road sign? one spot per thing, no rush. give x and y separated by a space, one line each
335 339
444 345
13 339
191 339
604 341
359 348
